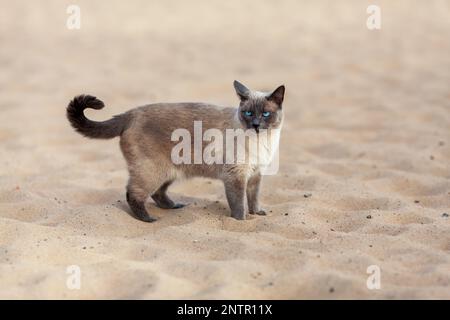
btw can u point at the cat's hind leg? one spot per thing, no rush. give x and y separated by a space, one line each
145 179
136 198
162 200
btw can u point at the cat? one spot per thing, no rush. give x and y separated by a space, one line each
146 141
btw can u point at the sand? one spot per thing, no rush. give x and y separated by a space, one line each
364 173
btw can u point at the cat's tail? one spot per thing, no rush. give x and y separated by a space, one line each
93 129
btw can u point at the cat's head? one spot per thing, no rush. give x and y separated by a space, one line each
258 110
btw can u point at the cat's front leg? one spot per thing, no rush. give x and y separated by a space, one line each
253 186
235 187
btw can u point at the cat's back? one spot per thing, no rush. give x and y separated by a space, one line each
188 110
164 118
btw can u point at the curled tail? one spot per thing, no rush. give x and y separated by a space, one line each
93 129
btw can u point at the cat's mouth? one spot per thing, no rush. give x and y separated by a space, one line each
255 127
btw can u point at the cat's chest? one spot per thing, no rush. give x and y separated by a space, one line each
263 147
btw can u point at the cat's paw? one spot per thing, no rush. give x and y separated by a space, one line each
238 215
148 219
259 213
169 205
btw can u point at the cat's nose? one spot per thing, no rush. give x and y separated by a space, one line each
255 122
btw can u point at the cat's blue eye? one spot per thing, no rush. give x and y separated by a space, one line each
266 114
248 113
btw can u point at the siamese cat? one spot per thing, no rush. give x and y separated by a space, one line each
146 142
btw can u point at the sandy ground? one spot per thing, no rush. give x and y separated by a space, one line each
367 135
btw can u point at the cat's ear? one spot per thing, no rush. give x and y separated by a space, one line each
242 91
277 96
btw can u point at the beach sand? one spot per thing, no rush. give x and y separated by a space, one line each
364 175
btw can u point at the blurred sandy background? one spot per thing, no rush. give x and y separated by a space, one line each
367 136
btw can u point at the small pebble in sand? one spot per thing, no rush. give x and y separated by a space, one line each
441 143
416 201
286 214
445 215
369 217
307 195
331 290
431 157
